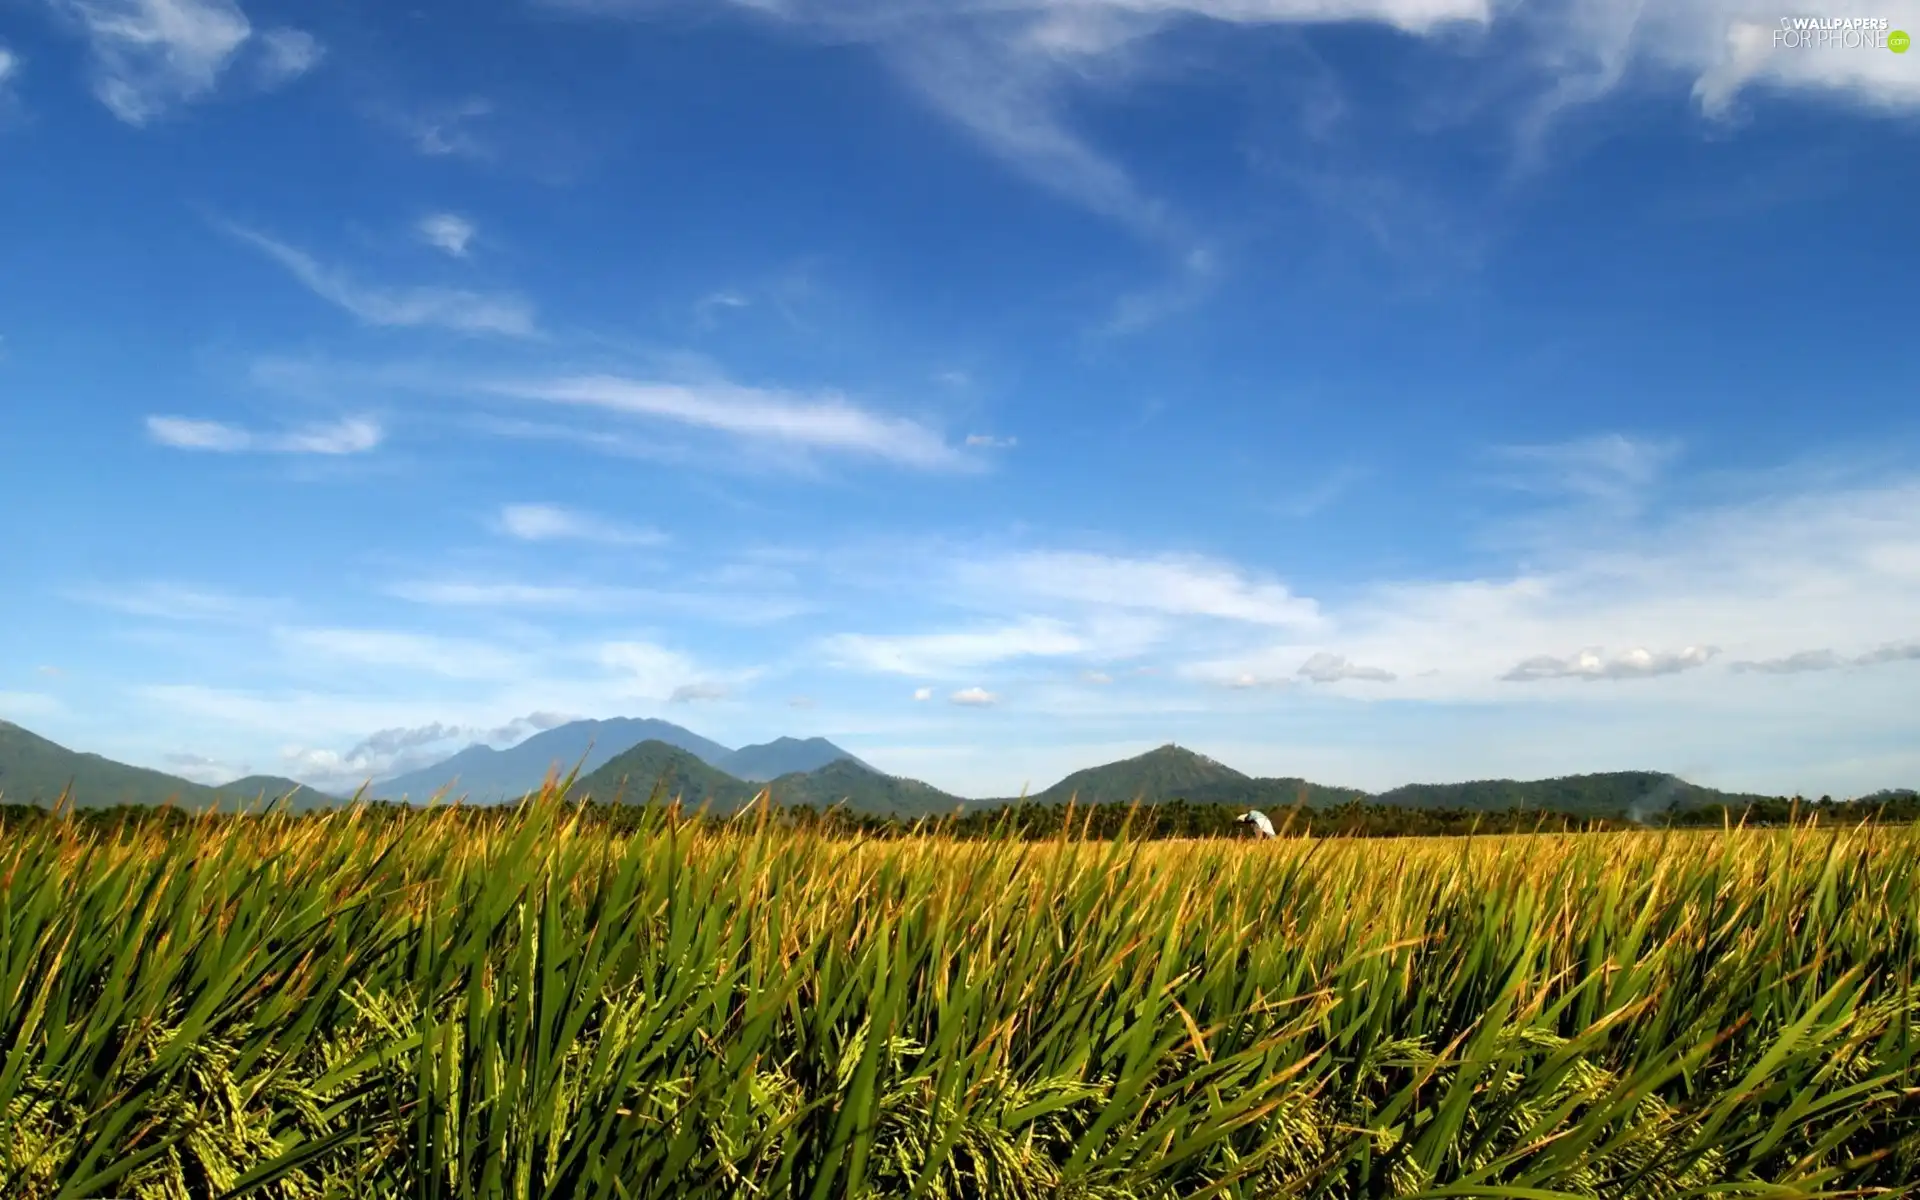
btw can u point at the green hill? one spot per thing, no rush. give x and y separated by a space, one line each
1160 774
863 790
250 791
634 774
1640 794
34 770
1176 773
1273 795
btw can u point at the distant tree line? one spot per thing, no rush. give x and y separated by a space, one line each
1102 822
1884 808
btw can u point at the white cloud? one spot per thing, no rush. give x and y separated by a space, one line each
923 693
939 654
395 751
1010 73
808 422
304 729
1187 586
552 523
351 435
1637 663
990 442
287 54
690 693
1333 668
9 65
406 307
447 232
150 55
1746 55
1762 578
973 697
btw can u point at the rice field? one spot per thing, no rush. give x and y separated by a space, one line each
528 1005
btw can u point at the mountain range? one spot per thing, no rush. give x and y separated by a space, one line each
485 775
631 759
34 770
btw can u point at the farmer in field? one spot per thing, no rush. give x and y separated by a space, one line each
1262 828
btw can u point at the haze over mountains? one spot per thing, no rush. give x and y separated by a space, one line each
631 759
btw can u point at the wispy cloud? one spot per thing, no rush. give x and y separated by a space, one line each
1313 499
150 56
447 131
692 693
1334 668
351 435
923 693
287 54
707 310
552 523
1610 469
990 442
397 750
1595 664
167 601
445 308
9 66
1793 664
1826 660
449 233
974 697
826 423
1897 652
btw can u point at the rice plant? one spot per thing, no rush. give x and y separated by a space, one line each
524 1004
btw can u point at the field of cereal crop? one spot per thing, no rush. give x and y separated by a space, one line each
526 1005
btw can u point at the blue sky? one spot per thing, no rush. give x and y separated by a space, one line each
1381 391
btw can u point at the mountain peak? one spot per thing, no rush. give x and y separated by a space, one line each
1165 771
486 775
782 756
